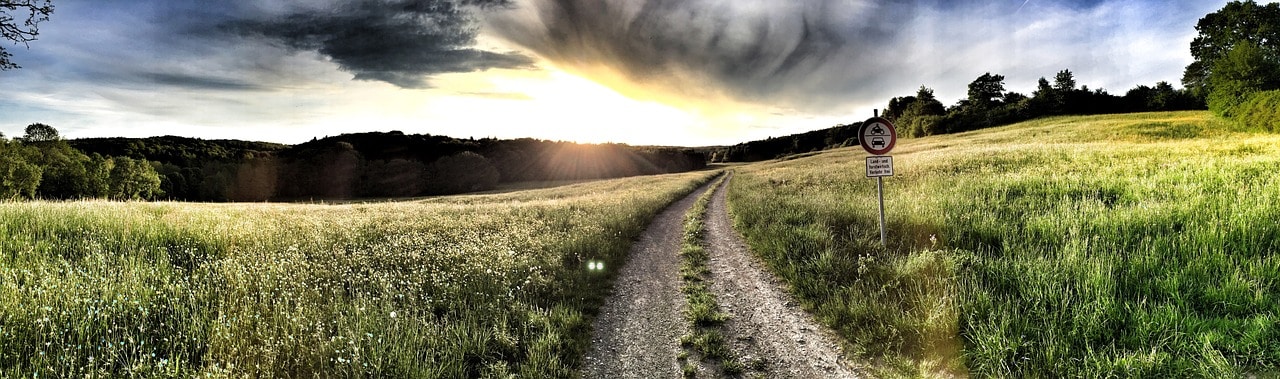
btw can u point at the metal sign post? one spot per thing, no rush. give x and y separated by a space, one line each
878 136
880 193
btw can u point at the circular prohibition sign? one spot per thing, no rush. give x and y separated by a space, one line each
877 136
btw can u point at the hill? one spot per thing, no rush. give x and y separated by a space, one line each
777 147
1121 245
988 105
183 151
377 164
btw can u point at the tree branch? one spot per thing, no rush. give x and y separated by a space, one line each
35 12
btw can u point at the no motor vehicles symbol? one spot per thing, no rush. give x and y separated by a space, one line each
877 136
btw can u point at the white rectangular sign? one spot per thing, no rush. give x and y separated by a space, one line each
879 166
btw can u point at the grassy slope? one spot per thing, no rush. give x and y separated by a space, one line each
447 287
1128 245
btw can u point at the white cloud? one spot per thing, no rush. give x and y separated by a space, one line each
105 70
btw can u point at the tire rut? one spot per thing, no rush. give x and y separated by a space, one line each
766 322
638 329
637 332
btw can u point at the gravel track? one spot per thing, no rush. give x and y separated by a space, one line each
637 332
766 321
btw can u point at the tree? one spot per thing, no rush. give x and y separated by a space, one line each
898 106
986 89
97 176
1012 98
133 179
31 13
18 178
459 173
922 104
393 178
255 180
1162 97
1221 31
40 133
927 104
1045 100
1243 71
1042 88
63 167
1064 81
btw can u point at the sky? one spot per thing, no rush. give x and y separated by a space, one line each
641 72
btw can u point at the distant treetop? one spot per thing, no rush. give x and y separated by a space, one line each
40 132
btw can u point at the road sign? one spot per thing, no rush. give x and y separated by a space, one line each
879 166
877 136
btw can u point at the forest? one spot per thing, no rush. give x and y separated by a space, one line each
43 165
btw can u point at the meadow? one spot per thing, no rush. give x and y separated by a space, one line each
1139 245
465 286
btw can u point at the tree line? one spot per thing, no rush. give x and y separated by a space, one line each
988 104
372 165
40 164
1235 74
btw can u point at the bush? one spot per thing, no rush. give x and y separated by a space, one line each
921 126
1259 111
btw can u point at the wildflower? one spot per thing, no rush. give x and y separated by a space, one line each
393 314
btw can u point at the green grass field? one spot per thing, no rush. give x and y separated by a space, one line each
1136 245
1141 245
466 286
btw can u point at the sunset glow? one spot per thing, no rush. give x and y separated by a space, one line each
700 73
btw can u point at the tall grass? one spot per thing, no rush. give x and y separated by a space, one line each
1129 245
703 311
467 286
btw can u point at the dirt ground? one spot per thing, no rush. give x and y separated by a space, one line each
637 333
638 330
765 321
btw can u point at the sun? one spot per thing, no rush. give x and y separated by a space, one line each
546 103
551 104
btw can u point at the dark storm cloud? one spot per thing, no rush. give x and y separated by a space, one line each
825 54
401 42
200 82
755 50
255 44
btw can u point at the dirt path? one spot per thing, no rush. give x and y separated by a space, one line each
766 322
637 333
638 330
